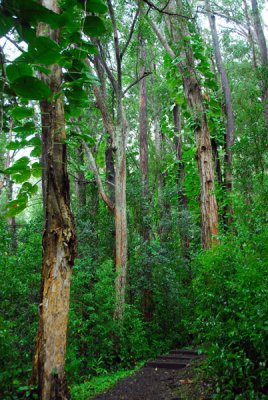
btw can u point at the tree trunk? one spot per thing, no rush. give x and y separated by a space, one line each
193 94
143 147
59 241
182 199
263 56
230 126
120 213
209 210
250 35
80 180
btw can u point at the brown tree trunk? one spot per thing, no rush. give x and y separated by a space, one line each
143 147
230 126
250 35
182 198
120 213
193 94
59 241
263 56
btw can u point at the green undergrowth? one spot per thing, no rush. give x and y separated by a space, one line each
99 384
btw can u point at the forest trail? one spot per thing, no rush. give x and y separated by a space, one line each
169 377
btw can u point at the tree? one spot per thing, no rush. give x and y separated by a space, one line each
59 239
228 107
193 94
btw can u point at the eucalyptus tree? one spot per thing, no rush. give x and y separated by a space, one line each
228 107
196 104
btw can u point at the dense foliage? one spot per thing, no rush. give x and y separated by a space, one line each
177 293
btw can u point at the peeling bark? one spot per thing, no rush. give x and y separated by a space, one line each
193 93
182 198
59 241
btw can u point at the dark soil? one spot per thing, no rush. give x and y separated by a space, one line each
162 384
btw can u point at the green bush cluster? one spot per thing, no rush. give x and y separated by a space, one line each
231 319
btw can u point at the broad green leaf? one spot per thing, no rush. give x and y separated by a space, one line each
31 88
15 207
94 26
15 71
22 176
18 166
31 12
6 24
36 170
15 145
36 152
19 113
26 129
96 6
44 51
42 69
28 189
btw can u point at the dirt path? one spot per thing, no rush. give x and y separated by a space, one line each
152 383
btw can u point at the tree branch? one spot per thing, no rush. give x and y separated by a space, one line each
161 10
116 47
136 81
94 169
130 34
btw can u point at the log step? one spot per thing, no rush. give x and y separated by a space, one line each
179 357
167 364
190 353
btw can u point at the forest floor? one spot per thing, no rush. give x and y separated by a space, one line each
162 384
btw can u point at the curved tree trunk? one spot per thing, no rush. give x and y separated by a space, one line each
59 242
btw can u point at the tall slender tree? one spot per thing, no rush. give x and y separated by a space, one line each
228 107
59 239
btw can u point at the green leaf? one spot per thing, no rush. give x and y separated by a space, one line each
15 207
6 24
94 26
15 71
18 165
96 6
31 88
44 51
42 69
36 170
19 113
36 152
15 145
22 175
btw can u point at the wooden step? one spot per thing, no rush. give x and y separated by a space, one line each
179 357
167 364
190 353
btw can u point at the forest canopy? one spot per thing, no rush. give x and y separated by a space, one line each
133 193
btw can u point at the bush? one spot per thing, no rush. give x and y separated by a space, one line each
231 290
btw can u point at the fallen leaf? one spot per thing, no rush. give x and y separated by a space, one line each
185 381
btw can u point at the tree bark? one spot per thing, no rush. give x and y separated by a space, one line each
193 93
228 107
80 180
230 125
143 136
147 302
120 140
182 198
263 56
59 240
